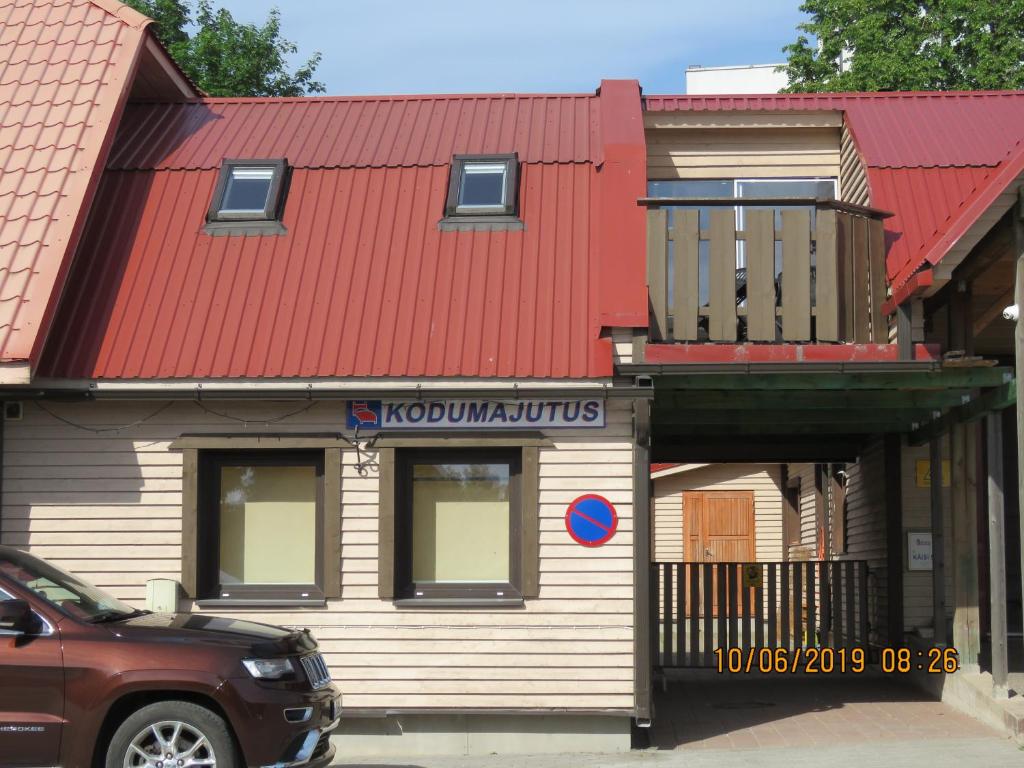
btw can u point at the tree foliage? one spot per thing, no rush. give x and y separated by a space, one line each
926 45
225 57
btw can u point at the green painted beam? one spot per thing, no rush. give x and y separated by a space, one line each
726 418
923 400
672 432
996 399
943 378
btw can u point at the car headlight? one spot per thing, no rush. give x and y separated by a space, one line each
269 669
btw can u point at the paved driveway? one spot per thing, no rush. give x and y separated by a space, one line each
713 721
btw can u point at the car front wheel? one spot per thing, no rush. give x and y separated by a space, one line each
172 734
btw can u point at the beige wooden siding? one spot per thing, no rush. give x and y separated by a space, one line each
667 508
917 585
622 346
853 177
865 525
728 153
108 506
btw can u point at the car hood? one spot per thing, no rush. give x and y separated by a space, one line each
186 628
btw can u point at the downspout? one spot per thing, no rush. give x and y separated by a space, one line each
1018 368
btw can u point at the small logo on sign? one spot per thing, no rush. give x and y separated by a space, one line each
363 413
591 520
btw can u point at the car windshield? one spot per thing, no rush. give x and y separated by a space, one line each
60 589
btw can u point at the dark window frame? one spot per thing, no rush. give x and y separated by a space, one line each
208 586
408 590
219 220
792 502
493 214
837 500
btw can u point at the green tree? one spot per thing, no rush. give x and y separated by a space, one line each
225 57
908 45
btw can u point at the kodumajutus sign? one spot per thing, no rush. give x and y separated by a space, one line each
474 414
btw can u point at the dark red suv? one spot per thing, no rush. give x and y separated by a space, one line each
88 681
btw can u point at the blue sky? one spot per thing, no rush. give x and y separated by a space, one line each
439 46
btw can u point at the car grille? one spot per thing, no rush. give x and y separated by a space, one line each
316 670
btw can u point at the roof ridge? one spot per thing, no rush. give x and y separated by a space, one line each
123 13
379 97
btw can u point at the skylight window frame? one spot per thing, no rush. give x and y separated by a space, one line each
509 211
271 212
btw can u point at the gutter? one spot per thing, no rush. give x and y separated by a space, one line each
91 392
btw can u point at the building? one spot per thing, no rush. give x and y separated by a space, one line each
396 368
743 78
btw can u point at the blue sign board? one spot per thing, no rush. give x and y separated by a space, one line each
591 520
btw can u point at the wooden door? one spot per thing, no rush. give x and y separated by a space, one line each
719 527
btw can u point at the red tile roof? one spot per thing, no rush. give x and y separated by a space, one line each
364 283
67 66
932 158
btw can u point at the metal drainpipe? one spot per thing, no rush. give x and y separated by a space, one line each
1018 348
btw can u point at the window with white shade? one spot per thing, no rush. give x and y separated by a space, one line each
483 185
248 192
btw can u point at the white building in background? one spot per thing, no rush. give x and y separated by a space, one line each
746 78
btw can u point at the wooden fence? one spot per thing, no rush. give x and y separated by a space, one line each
825 281
698 607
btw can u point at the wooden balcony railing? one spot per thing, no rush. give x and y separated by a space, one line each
806 270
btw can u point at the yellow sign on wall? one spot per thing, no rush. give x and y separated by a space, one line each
924 473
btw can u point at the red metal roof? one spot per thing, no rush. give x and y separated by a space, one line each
364 283
931 157
383 132
67 65
661 467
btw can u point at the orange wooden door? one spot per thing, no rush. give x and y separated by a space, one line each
719 528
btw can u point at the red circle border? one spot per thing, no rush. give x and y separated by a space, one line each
597 542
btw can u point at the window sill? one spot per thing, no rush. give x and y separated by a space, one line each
459 602
242 228
477 223
255 602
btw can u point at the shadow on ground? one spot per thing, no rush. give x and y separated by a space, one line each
700 708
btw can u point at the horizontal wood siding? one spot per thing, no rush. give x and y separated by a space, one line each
917 585
728 153
667 511
865 516
108 506
622 346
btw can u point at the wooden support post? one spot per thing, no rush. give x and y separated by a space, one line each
966 619
938 544
997 552
644 636
905 331
1018 346
894 539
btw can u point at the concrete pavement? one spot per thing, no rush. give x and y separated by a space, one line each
783 722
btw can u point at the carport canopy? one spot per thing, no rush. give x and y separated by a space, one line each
809 412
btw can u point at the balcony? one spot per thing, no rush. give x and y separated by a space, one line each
797 271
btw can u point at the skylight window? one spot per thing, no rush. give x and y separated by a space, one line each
483 185
247 190
249 193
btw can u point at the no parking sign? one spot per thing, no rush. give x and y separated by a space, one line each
591 520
